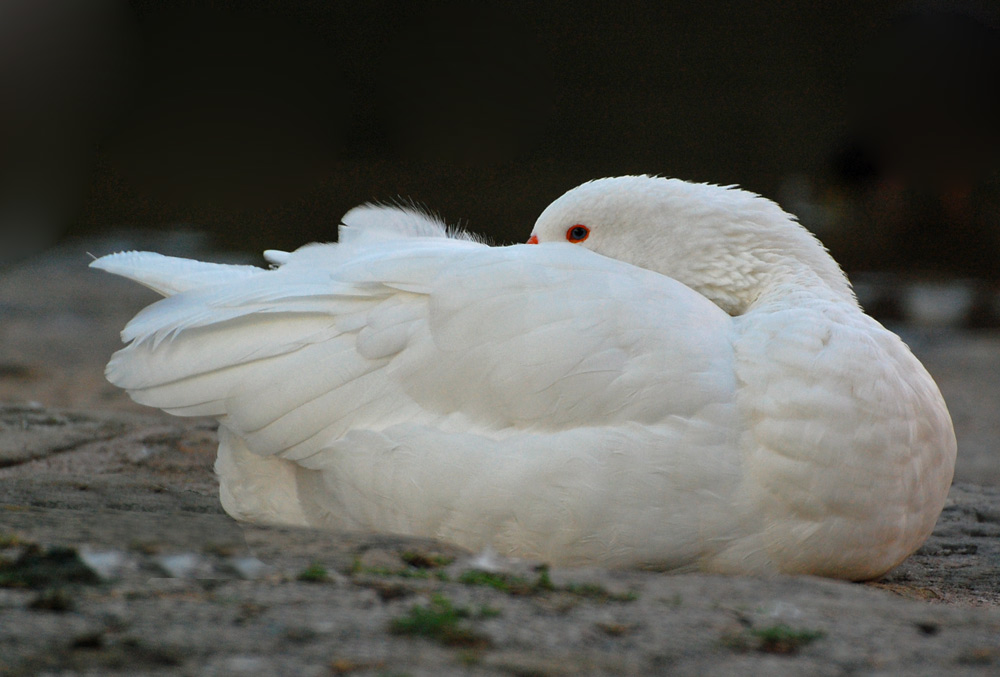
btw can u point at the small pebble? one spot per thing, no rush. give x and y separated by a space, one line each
182 565
107 564
248 568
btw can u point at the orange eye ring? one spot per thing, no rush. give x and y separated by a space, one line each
577 233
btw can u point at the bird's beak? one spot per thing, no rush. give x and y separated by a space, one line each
533 239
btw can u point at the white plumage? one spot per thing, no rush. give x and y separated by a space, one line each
693 385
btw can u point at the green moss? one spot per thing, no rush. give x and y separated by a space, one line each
314 573
783 639
507 583
544 582
777 639
402 573
440 621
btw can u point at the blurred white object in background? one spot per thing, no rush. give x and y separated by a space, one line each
938 304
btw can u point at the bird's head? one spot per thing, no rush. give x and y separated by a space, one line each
730 245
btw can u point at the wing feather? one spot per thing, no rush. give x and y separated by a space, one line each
428 331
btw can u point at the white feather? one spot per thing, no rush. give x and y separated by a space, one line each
168 275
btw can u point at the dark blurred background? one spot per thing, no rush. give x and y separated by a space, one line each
878 123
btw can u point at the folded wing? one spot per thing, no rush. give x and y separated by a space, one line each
421 329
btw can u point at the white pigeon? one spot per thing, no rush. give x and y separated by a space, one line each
669 375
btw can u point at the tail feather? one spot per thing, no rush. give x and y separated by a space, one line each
169 275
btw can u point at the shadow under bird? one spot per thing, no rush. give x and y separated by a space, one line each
668 375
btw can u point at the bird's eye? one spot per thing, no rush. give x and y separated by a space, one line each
577 233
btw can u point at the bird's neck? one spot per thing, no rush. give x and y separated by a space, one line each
774 283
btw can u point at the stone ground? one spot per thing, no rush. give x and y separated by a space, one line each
116 558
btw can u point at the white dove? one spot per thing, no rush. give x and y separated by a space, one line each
669 375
